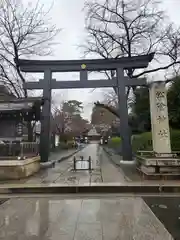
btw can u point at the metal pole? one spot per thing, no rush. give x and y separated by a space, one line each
123 110
89 163
74 163
45 119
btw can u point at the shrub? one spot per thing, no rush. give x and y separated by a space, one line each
175 140
66 145
114 142
144 141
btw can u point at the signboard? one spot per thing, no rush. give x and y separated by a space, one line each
14 106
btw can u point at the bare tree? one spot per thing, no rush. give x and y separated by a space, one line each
25 31
118 28
110 102
59 120
67 120
110 98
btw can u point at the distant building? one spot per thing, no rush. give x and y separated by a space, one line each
93 134
8 129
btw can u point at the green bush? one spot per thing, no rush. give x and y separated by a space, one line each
66 145
144 141
114 142
175 140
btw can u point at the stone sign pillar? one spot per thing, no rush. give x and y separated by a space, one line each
159 118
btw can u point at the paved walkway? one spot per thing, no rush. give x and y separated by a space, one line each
103 170
110 173
92 219
55 156
62 173
43 173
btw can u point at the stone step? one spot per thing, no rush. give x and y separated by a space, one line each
97 188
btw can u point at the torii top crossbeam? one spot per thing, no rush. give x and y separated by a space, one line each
89 64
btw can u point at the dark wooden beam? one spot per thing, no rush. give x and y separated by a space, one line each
85 84
85 64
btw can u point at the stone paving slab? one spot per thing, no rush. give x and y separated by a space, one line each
93 219
60 156
110 173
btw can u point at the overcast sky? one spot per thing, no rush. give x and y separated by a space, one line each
68 15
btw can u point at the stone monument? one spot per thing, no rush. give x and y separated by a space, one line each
159 118
161 163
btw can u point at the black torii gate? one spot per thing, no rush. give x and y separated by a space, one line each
84 66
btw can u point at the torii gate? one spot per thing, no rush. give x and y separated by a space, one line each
84 66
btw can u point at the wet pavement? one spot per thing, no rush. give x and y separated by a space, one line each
111 218
62 173
167 210
110 173
52 218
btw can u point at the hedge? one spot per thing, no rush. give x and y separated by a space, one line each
67 145
114 142
64 146
144 141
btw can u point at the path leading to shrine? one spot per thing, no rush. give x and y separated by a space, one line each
62 173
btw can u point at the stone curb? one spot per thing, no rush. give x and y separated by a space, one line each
110 157
137 188
51 164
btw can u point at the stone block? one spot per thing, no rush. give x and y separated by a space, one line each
18 169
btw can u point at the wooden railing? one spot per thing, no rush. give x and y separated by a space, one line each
19 149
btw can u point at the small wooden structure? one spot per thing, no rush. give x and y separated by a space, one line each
14 114
18 159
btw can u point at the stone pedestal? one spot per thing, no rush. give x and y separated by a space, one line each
18 169
159 118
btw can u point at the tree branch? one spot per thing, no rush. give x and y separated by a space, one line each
156 69
109 108
24 31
